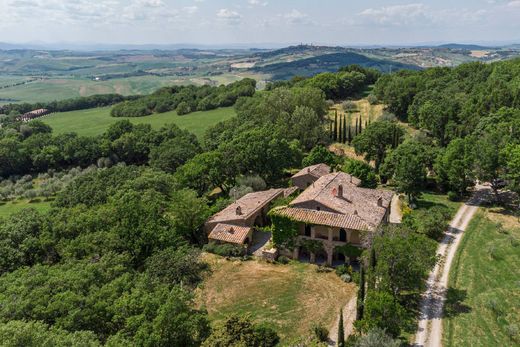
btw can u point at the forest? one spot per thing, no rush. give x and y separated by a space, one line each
117 259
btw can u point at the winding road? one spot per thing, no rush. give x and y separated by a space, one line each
429 332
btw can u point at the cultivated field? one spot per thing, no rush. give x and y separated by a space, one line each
289 298
95 121
483 305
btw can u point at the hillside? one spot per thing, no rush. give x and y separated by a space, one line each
45 75
327 63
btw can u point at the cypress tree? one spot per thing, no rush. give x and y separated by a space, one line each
344 130
340 134
330 130
341 331
349 135
335 126
361 294
360 125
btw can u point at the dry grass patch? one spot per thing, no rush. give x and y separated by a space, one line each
290 298
363 110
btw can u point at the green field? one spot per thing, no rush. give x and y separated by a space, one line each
95 121
483 306
18 205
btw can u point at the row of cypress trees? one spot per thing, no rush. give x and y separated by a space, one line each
342 132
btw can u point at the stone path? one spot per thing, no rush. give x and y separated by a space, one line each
260 239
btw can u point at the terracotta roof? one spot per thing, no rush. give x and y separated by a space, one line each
325 218
369 204
229 233
317 171
246 206
289 191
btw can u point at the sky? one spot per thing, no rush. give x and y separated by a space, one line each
338 22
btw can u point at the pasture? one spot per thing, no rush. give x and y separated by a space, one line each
14 206
483 304
289 298
95 121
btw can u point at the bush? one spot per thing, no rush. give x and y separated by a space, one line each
183 108
346 278
343 269
225 249
348 106
320 332
372 99
452 196
283 259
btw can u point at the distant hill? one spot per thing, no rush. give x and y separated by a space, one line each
325 63
464 47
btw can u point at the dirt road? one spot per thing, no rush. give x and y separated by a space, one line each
429 332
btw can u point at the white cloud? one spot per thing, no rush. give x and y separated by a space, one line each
258 3
515 3
151 3
229 16
297 17
190 9
397 15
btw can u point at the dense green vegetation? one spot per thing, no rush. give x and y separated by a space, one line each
185 99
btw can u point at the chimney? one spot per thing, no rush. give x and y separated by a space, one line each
380 202
340 191
308 170
239 210
355 213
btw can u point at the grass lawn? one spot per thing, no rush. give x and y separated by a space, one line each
290 298
483 306
431 199
95 121
18 205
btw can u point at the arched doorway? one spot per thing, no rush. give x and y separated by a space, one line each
342 235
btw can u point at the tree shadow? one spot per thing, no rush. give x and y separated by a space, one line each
411 303
454 304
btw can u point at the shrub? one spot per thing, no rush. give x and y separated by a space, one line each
348 106
343 269
183 108
320 332
225 249
283 259
513 331
346 278
452 196
372 99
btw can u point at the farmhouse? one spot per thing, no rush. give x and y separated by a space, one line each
235 223
335 211
33 114
309 175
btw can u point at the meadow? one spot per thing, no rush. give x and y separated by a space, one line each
290 298
95 121
483 304
10 207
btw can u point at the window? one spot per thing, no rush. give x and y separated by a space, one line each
318 208
307 230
